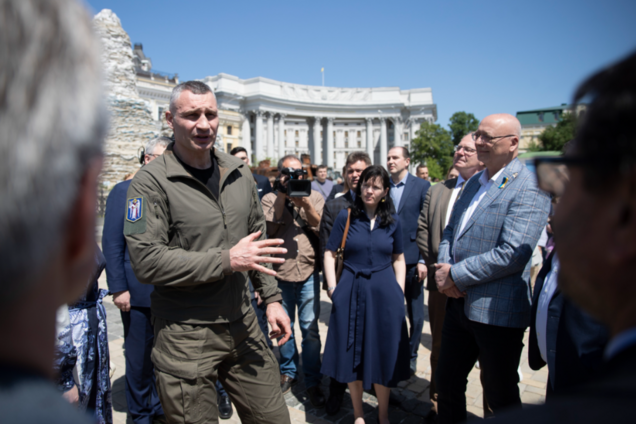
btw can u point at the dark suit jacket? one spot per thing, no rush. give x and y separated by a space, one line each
574 340
119 273
430 226
335 190
329 213
608 398
262 185
411 204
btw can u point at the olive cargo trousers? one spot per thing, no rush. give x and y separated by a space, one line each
189 358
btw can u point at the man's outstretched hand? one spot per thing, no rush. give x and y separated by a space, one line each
278 319
248 254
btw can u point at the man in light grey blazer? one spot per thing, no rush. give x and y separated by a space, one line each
484 268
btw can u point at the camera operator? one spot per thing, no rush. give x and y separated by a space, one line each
296 221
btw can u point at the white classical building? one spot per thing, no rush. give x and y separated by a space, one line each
328 123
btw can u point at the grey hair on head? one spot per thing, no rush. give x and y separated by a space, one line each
158 141
52 125
285 159
195 87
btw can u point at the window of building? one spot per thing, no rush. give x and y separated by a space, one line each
228 147
334 155
296 133
297 143
405 136
359 143
229 130
359 134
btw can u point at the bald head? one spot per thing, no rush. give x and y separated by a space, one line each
497 141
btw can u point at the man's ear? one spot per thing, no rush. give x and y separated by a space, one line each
514 143
169 119
623 220
78 255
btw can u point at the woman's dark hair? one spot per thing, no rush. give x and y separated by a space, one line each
385 209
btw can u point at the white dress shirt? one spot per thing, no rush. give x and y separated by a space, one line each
545 297
451 203
485 186
453 198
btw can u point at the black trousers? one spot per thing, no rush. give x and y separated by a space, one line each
141 391
463 342
414 294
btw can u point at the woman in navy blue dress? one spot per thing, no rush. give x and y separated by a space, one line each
367 342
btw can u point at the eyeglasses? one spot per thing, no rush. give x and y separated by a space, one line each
553 174
152 155
488 139
467 150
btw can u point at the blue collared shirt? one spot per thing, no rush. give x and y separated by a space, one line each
397 190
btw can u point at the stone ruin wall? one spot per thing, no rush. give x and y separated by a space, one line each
131 123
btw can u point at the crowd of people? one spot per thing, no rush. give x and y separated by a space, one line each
208 262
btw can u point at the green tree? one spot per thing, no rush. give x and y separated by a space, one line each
460 124
433 146
554 138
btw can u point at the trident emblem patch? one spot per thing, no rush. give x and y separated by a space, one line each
134 209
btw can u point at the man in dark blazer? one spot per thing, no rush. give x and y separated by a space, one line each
262 182
355 164
433 219
595 230
133 300
562 335
484 267
408 194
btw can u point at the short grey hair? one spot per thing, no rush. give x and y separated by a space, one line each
159 141
52 125
195 87
285 158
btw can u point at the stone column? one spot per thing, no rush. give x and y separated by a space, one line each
383 142
270 135
370 137
258 139
246 135
281 135
397 132
330 142
315 154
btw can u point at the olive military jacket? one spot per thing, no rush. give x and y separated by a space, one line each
179 237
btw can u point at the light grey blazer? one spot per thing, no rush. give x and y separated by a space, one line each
494 249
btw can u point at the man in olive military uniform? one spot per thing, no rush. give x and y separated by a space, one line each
199 229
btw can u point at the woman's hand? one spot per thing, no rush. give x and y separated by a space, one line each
329 263
399 267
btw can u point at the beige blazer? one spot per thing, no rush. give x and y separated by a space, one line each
431 225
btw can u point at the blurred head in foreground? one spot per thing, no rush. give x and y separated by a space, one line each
52 126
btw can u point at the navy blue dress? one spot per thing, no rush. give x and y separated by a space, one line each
367 338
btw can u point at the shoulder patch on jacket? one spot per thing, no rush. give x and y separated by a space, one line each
136 210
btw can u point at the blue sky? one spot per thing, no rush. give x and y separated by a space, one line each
483 57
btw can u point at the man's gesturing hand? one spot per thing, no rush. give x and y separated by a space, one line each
248 254
278 319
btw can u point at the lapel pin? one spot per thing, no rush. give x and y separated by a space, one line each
503 184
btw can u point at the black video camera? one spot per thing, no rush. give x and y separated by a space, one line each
295 186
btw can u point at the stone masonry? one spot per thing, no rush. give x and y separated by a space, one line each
131 125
